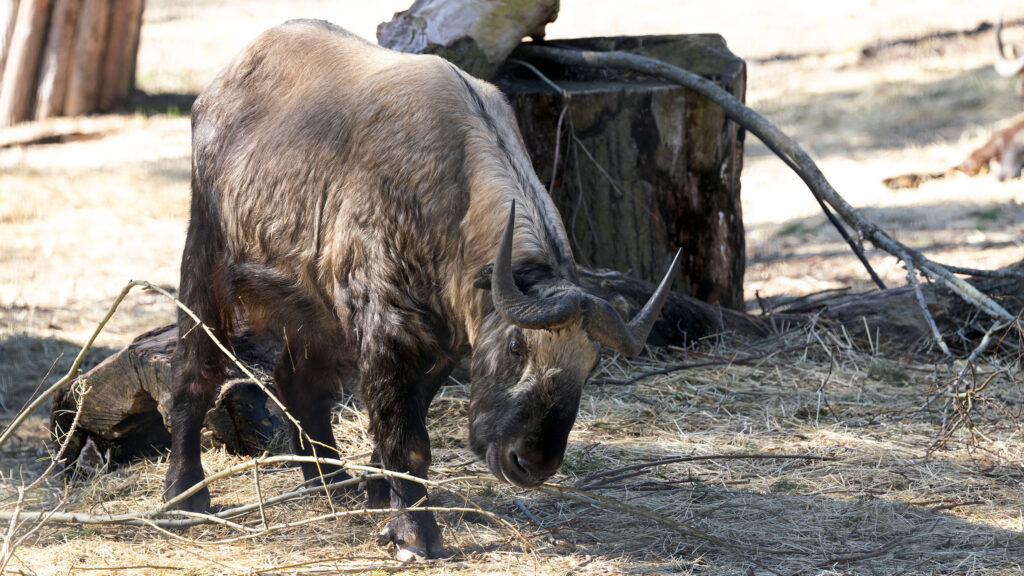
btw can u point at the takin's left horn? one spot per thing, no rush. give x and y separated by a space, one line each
518 308
604 324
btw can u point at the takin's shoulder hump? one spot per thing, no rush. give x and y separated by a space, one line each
304 53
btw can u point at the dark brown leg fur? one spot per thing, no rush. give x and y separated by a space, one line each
198 363
308 381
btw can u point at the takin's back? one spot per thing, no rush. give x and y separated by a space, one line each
327 158
310 118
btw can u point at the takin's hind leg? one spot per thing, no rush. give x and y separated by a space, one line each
309 386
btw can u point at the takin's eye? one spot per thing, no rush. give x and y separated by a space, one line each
516 348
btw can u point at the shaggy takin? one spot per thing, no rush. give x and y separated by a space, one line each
378 210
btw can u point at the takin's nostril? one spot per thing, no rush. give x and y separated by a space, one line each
524 465
518 463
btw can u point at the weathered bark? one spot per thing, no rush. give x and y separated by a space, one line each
119 60
17 85
53 74
87 60
126 408
476 36
669 160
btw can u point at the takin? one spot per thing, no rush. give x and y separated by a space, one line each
379 211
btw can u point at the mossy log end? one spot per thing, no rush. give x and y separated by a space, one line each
657 167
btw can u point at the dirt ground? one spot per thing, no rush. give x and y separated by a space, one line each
78 219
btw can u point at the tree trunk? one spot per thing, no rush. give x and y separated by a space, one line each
8 16
87 59
17 85
665 169
53 76
119 61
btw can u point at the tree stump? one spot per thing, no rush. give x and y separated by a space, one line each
66 57
655 167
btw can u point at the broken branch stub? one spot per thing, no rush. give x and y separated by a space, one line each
475 36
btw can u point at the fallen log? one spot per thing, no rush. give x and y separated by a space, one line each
893 320
124 414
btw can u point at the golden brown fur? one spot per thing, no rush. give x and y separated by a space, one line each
348 196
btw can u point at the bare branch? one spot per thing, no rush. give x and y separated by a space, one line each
782 145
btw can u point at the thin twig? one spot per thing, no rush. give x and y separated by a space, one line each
611 504
526 511
259 493
7 550
855 556
913 280
558 149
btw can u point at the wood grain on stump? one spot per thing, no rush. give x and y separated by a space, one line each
665 167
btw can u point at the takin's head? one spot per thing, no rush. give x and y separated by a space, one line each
530 361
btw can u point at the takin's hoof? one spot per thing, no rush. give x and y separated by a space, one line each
198 502
415 535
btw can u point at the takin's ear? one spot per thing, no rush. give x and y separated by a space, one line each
482 278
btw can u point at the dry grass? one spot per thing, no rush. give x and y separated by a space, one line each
871 499
78 219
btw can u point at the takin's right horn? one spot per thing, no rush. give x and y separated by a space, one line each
604 324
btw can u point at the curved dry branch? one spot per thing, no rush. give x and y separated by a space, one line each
783 146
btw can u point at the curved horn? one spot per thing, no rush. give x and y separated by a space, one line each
518 308
1005 67
605 325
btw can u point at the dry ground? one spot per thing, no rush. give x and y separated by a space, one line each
79 218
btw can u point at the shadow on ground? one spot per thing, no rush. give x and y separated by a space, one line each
30 363
791 529
171 104
929 227
891 115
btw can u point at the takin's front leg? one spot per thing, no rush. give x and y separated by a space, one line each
396 391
